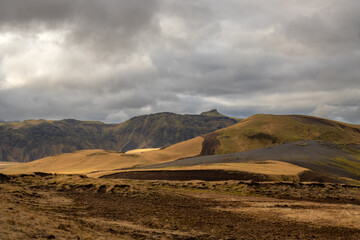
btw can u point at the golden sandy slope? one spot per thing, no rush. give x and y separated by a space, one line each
87 161
7 164
263 167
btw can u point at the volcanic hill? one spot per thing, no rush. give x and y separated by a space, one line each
264 130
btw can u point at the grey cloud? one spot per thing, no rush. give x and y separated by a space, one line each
338 112
116 59
19 13
334 29
113 26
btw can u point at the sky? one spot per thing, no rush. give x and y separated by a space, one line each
110 60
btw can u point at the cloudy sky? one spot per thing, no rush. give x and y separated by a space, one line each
110 60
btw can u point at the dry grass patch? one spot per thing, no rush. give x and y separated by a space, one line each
4 165
335 215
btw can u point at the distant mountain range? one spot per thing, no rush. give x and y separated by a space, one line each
33 139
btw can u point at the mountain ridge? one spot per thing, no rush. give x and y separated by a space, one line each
33 139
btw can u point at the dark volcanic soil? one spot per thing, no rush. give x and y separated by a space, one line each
210 144
216 175
73 207
189 214
186 175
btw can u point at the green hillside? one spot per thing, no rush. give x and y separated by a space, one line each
264 130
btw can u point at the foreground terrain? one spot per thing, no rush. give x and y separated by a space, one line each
46 206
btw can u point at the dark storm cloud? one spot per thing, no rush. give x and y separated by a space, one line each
104 26
20 13
110 60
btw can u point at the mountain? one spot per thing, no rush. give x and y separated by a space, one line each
33 139
212 113
165 129
215 113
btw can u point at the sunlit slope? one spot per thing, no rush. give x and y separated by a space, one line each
269 167
263 130
86 161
